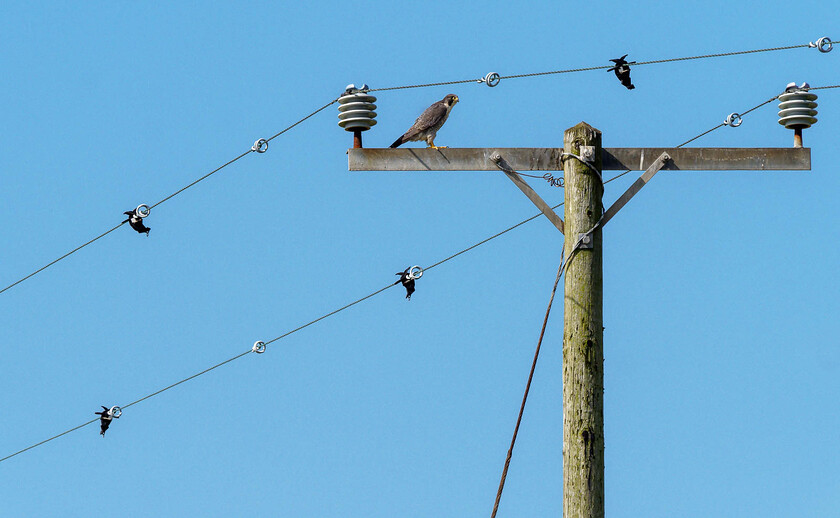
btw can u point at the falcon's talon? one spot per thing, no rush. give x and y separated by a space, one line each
428 123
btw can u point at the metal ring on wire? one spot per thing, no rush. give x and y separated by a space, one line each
734 120
491 79
115 411
143 210
260 146
824 44
414 275
259 347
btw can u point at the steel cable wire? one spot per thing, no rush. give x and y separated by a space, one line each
587 69
515 76
371 295
179 191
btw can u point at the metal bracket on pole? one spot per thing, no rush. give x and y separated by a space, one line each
640 182
530 193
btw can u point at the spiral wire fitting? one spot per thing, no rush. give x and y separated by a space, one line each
491 79
259 347
142 210
824 44
260 146
415 272
734 120
115 411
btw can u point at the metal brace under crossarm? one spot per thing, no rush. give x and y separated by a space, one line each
529 192
640 182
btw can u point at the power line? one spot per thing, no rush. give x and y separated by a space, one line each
325 106
62 257
50 439
487 78
179 191
494 236
153 394
757 106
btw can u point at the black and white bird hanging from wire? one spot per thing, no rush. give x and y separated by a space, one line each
106 416
622 71
407 278
135 218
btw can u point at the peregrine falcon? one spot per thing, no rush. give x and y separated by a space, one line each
622 71
429 122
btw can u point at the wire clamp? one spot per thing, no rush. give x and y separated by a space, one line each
415 272
587 153
259 347
142 210
260 146
587 159
115 411
824 44
734 120
491 79
585 241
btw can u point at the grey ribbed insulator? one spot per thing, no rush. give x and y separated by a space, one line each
797 107
356 109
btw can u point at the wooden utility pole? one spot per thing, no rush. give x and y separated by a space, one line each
583 332
582 160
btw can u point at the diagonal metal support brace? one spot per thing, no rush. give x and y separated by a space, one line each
530 193
640 182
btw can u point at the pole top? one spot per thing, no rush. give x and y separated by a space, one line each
584 126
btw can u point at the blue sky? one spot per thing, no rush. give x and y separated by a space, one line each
721 355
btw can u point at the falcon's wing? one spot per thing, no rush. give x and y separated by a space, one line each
433 116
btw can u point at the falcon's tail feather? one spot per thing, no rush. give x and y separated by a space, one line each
399 141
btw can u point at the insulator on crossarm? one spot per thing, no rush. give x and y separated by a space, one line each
797 110
356 112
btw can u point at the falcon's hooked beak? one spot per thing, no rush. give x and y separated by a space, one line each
455 100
